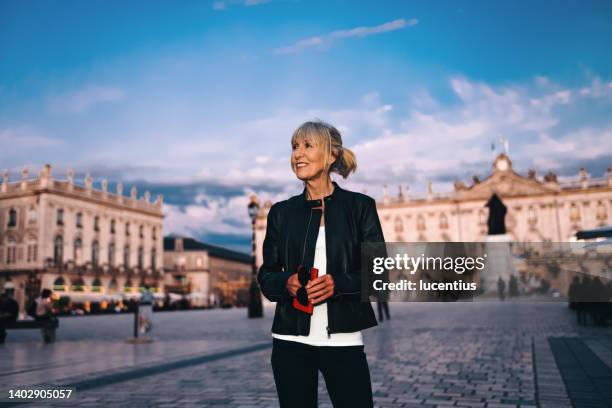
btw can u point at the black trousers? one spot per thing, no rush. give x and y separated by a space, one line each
296 374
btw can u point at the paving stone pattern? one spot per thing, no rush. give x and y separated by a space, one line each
427 355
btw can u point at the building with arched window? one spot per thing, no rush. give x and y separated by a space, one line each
57 233
538 209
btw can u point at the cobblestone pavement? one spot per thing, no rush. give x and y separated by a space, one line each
427 355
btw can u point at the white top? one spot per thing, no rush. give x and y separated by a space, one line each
318 320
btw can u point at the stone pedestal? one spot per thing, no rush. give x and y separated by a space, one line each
499 263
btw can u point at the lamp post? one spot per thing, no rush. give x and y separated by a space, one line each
255 306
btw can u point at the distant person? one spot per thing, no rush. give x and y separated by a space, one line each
382 305
321 228
573 292
598 297
513 287
607 306
501 288
9 311
44 313
582 300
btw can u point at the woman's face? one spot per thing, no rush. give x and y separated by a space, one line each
307 159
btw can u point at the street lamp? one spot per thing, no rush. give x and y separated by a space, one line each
255 306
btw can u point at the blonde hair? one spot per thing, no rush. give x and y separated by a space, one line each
328 137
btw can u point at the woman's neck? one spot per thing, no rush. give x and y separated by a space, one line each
320 188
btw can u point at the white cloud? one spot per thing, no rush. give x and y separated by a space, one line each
358 32
81 100
431 141
224 4
25 137
219 215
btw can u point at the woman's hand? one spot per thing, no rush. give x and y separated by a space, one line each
320 289
293 284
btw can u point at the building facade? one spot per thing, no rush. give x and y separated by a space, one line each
87 244
538 209
207 275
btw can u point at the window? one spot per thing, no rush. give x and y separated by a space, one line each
59 284
11 252
532 217
78 251
59 216
112 286
140 257
112 226
111 254
153 259
12 221
154 233
399 225
79 220
95 253
127 229
126 256
482 217
32 252
601 213
58 250
443 221
96 223
96 285
421 223
141 231
78 285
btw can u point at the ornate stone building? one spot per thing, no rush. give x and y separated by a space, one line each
84 243
539 209
207 274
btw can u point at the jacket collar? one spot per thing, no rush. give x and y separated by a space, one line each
317 202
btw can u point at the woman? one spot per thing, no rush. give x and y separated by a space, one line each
322 228
44 313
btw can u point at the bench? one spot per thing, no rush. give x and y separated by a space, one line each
48 334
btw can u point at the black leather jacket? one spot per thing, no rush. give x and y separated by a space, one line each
291 234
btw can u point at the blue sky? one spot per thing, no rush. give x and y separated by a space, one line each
197 100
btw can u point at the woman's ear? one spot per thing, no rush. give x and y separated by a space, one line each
334 158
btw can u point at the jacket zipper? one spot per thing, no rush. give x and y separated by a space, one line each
327 264
306 238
